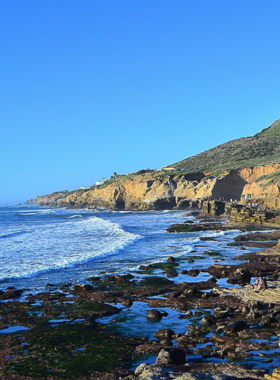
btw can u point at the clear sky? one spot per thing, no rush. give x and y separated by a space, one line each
92 87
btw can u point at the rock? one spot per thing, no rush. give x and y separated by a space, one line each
193 272
234 327
275 375
171 356
171 260
241 277
267 320
154 315
208 320
172 274
164 334
9 294
269 360
82 288
117 278
189 313
127 302
220 313
140 369
157 372
253 315
255 305
145 267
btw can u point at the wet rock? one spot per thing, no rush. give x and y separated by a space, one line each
140 369
189 313
221 313
193 272
127 302
171 356
145 267
117 278
171 259
164 334
172 274
234 327
154 315
158 372
13 293
267 320
255 305
253 315
82 288
269 360
220 329
240 276
201 371
148 348
208 320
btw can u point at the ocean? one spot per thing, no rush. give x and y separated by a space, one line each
43 245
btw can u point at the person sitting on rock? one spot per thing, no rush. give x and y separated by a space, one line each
261 284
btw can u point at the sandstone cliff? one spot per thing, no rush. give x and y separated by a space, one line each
165 190
247 169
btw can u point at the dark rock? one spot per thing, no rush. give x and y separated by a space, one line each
117 278
171 356
221 313
171 259
240 276
164 334
208 320
269 360
9 294
164 314
234 327
255 305
82 288
267 320
154 315
253 315
193 272
127 302
145 267
172 273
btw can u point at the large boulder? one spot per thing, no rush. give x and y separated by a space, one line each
234 327
11 293
154 315
240 276
171 356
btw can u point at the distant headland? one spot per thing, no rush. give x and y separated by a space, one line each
246 170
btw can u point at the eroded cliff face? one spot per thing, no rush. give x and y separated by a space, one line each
165 190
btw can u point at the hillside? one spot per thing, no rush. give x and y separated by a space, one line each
260 149
242 169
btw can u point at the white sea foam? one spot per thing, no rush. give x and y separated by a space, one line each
35 249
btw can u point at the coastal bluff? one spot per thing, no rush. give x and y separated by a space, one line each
173 189
243 170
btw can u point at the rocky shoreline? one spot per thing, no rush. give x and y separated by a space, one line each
197 329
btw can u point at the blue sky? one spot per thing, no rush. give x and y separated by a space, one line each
92 87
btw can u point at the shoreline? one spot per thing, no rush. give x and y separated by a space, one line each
211 319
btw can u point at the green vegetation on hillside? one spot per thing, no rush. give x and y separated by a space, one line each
260 149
